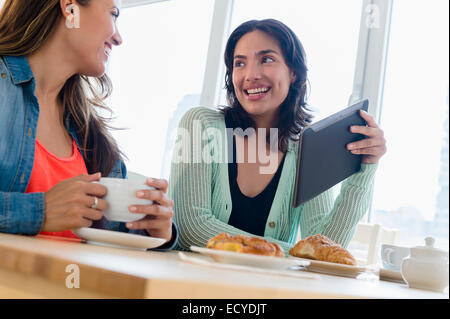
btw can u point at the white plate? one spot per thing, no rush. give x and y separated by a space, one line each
329 268
111 238
231 257
259 270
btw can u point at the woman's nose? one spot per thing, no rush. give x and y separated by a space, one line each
253 72
117 38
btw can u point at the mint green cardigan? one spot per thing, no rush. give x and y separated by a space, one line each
199 186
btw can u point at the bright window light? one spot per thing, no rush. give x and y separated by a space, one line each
411 185
157 75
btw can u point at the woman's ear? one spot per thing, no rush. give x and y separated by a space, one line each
67 8
293 77
71 13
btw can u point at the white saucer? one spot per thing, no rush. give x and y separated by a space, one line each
391 275
117 239
231 257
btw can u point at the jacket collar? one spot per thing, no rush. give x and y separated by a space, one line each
19 68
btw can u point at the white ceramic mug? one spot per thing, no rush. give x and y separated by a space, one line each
120 194
392 256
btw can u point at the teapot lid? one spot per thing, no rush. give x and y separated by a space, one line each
429 250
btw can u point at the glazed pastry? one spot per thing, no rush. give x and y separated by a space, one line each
321 248
244 244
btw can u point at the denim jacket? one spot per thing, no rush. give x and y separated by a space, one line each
22 213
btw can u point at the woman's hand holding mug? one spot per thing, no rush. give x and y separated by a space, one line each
69 204
158 222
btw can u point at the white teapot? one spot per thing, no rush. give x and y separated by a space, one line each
426 267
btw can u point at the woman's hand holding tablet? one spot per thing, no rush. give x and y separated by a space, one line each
373 147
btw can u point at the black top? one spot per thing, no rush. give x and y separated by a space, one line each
250 213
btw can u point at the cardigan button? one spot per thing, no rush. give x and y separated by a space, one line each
272 224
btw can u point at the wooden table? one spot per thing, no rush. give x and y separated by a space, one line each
33 267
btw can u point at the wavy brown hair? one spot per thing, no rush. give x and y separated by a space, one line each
24 27
293 112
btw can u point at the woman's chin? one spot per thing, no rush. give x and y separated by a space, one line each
255 110
95 71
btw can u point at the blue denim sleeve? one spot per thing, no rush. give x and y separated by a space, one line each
21 213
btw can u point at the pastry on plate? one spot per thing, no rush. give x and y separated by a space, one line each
319 247
244 244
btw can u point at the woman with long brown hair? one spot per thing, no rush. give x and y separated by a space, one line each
53 142
266 83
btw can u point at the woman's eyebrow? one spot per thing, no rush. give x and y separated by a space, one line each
264 52
259 53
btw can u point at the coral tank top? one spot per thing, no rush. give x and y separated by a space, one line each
49 170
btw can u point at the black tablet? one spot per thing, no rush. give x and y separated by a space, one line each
323 159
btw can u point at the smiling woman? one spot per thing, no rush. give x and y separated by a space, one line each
53 60
266 78
36 37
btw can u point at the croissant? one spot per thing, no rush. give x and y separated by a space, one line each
321 248
244 244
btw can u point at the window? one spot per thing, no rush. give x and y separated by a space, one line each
328 30
411 185
157 75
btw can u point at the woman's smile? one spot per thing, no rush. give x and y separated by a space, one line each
107 48
256 93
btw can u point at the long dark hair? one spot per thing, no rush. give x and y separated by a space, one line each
293 112
24 27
